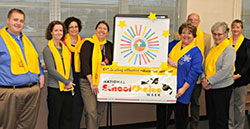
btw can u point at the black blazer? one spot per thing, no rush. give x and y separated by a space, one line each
86 57
242 64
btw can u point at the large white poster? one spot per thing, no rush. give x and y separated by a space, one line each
140 41
139 72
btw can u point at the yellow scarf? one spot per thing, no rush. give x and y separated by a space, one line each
75 49
237 45
176 53
199 41
239 42
213 56
96 58
62 67
18 63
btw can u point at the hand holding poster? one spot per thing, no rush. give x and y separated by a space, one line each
139 72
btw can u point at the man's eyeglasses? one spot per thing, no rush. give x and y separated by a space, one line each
194 20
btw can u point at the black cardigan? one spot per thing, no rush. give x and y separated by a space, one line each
86 56
242 64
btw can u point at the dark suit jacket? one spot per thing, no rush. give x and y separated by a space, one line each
242 64
86 56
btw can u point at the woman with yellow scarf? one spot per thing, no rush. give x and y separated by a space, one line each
186 59
241 76
74 42
217 78
57 60
95 51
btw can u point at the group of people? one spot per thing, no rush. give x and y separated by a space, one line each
221 70
73 64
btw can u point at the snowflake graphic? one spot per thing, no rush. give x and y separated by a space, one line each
186 58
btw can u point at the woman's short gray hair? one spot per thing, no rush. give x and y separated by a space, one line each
222 25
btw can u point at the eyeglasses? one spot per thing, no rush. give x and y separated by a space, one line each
218 34
194 20
71 27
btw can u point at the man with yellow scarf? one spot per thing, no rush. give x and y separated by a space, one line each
203 41
20 72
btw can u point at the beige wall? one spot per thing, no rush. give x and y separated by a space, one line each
212 11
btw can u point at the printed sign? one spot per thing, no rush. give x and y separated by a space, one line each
139 72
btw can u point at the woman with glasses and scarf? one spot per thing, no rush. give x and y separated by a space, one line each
74 42
217 78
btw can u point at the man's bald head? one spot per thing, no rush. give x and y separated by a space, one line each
194 19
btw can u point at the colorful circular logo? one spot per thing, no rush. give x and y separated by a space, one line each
139 45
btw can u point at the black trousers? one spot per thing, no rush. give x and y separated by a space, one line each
161 116
77 103
217 105
164 112
195 106
60 109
